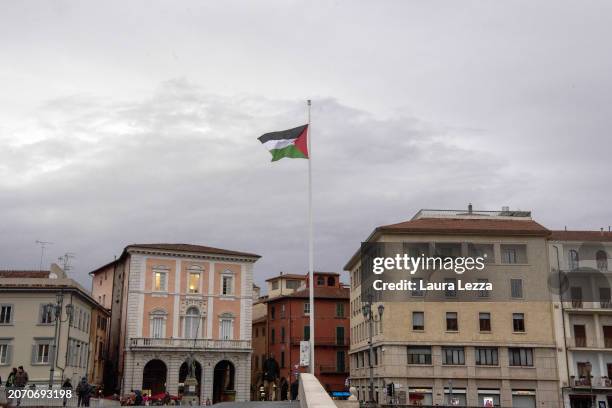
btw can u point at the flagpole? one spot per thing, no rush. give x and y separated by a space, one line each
310 249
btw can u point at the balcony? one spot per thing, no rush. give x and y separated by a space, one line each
324 341
147 343
585 382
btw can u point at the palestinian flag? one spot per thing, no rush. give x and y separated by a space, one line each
290 143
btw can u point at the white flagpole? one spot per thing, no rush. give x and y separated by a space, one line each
310 249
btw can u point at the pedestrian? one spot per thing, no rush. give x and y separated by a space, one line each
67 385
10 380
294 390
138 398
21 379
83 391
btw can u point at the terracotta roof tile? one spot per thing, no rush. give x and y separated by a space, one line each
323 293
467 226
23 274
592 236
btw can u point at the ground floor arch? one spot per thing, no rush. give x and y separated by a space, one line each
154 375
224 377
183 372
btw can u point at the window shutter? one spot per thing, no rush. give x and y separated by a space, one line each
33 354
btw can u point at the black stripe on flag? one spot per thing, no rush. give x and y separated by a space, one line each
283 134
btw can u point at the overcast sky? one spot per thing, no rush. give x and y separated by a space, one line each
136 122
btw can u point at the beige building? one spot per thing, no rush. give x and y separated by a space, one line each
497 351
173 302
47 345
584 318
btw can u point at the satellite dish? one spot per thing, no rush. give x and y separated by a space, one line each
52 275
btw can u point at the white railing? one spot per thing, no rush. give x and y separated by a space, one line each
147 342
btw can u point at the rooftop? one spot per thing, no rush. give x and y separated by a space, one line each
592 236
319 293
15 273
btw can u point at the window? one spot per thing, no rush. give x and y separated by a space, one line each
419 355
604 298
516 288
418 321
40 353
484 319
513 254
194 282
483 293
282 311
339 309
417 292
486 356
272 312
158 324
576 296
331 281
481 251
226 328
518 322
580 335
451 321
272 336
306 308
320 280
160 281
282 362
6 314
306 333
453 356
573 259
602 261
340 361
282 339
520 357
292 284
451 287
340 336
5 354
192 322
46 314
227 285
275 284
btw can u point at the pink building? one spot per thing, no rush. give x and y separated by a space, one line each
172 301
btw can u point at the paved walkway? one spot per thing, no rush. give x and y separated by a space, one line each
259 404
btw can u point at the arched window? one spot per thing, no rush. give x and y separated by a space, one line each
192 323
602 260
573 259
331 281
157 327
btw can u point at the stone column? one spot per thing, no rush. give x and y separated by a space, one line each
173 365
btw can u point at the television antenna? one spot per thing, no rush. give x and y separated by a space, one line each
65 260
43 246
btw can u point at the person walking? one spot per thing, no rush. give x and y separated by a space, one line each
67 385
83 391
10 380
21 379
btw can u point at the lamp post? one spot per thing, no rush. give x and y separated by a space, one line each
368 317
56 309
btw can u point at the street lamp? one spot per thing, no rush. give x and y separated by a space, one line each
56 309
368 317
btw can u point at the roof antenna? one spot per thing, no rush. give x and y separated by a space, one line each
43 246
65 260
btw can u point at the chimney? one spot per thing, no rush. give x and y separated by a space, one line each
469 208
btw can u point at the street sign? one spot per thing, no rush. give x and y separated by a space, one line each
304 353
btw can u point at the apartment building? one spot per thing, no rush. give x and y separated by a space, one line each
175 302
498 351
583 316
46 326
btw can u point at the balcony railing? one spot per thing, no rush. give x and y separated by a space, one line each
147 342
582 382
324 341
